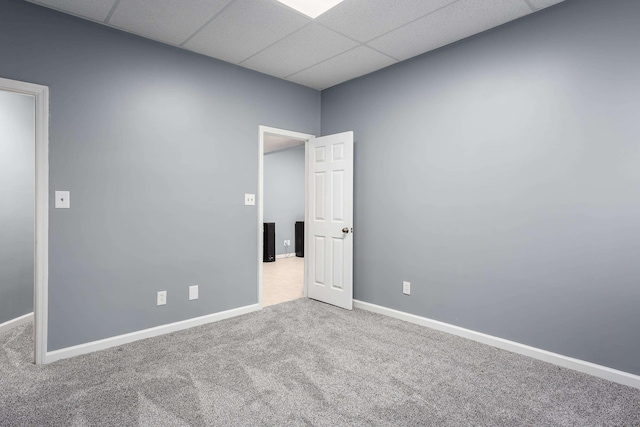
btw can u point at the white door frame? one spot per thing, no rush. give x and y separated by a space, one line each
41 252
262 130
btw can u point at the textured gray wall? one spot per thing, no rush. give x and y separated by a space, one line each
284 193
501 176
157 146
17 211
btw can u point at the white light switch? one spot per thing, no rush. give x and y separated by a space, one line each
249 199
63 200
162 298
406 288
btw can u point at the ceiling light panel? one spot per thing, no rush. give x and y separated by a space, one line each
168 21
349 65
98 10
364 20
245 28
306 47
311 8
455 22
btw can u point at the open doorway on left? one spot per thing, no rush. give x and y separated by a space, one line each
24 218
17 219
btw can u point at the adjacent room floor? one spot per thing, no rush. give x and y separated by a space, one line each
282 280
304 363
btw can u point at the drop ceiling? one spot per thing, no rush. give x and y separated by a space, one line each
354 38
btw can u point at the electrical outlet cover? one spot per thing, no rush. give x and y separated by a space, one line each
193 292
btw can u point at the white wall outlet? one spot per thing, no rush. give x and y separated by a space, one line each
193 292
162 298
63 200
406 288
249 199
287 242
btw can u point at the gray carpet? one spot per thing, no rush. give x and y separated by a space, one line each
303 363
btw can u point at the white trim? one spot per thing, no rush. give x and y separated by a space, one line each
305 243
290 255
262 130
90 347
41 252
14 323
600 371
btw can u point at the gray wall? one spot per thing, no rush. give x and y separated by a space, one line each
501 177
17 214
157 146
284 193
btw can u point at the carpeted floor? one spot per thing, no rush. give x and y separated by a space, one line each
303 363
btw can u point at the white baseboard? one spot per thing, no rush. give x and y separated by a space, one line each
292 255
103 344
14 323
600 371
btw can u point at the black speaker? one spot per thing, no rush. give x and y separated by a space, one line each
269 242
300 238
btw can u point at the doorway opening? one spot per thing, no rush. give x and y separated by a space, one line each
31 138
284 276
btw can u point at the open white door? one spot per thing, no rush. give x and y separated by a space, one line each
330 232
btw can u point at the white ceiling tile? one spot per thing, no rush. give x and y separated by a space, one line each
245 28
541 4
455 22
168 21
98 10
304 48
346 66
364 20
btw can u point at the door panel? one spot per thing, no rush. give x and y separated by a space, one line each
330 228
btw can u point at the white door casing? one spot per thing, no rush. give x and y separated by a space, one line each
303 137
330 214
41 270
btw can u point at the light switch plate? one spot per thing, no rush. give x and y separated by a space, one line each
406 288
250 199
63 200
193 292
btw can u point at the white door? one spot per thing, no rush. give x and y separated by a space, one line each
330 232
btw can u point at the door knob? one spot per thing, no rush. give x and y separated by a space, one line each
345 230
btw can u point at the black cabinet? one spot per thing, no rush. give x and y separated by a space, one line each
300 238
269 242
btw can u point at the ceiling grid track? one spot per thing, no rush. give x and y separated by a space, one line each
324 60
206 23
414 20
528 2
112 11
275 42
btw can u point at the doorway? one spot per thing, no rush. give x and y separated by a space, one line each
287 268
26 136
